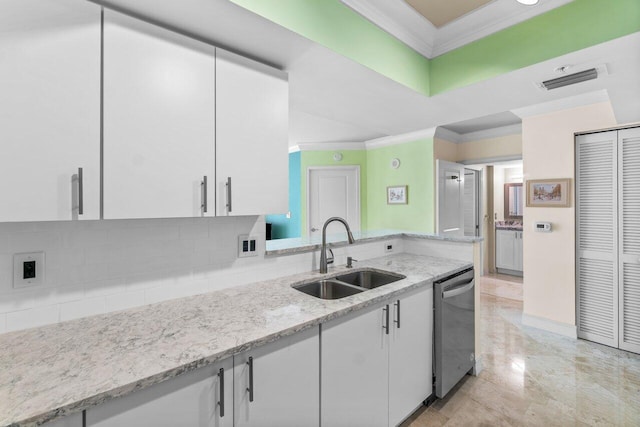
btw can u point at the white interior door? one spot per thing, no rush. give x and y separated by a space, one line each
333 191
596 264
450 198
629 238
471 202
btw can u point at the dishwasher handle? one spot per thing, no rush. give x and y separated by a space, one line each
450 293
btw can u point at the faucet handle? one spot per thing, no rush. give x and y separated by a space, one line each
350 260
330 257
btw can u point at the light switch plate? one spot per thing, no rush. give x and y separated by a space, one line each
28 269
247 246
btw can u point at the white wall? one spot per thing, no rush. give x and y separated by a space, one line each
94 267
549 258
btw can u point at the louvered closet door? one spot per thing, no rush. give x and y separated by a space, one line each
629 217
597 265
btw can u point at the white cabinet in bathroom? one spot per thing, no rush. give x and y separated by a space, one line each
159 121
252 125
49 110
202 398
377 364
509 250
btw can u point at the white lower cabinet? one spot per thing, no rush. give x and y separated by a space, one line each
376 364
193 399
278 384
74 420
410 354
509 250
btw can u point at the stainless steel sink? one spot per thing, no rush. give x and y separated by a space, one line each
369 279
328 289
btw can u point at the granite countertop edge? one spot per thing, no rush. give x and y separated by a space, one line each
313 246
375 296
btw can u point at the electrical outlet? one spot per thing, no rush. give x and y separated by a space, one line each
28 269
388 247
247 246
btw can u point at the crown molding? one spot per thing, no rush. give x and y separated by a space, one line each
400 20
493 17
492 133
328 146
400 139
448 135
400 29
563 104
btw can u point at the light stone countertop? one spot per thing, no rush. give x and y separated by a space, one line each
307 244
51 371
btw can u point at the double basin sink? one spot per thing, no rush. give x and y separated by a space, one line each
347 284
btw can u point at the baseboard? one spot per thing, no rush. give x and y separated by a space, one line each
477 366
549 325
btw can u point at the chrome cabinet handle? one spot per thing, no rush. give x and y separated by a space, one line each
386 321
250 388
397 304
221 401
229 207
203 187
80 193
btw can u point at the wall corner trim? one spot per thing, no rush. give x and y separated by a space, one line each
549 325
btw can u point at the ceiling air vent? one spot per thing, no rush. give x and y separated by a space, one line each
570 79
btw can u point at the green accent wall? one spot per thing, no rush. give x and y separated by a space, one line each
574 26
335 26
415 171
325 158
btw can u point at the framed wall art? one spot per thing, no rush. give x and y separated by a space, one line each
397 195
549 193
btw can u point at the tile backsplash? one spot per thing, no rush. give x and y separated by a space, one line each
95 267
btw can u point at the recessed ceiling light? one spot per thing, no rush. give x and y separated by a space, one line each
528 2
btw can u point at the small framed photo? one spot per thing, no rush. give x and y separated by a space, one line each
397 195
549 193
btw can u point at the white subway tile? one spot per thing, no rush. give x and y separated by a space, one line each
104 287
160 293
83 308
32 318
125 300
193 228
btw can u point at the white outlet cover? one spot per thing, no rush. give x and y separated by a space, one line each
247 238
18 269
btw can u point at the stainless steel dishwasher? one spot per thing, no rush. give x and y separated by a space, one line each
454 335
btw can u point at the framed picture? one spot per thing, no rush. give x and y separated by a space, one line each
548 193
397 195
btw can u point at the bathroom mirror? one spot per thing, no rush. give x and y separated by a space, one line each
513 201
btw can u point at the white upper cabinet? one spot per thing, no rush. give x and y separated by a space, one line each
252 114
159 121
49 110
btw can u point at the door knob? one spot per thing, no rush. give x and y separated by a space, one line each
314 229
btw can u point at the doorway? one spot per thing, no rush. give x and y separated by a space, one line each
332 191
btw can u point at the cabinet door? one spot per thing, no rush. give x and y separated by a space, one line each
410 354
252 115
355 370
192 399
505 249
279 385
518 251
49 109
159 121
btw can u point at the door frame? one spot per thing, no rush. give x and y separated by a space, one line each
355 168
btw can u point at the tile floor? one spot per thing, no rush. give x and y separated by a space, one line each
535 378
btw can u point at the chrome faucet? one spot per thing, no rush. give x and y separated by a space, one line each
323 251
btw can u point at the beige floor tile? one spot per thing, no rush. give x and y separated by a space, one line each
534 378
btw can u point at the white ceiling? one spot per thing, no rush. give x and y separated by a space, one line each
333 98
